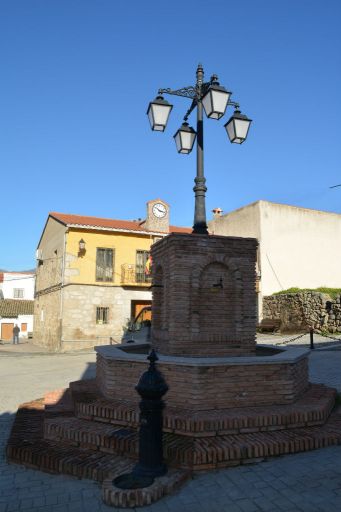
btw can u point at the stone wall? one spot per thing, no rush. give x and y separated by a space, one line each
47 323
304 310
65 319
50 257
79 312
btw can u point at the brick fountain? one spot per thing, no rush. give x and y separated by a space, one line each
229 401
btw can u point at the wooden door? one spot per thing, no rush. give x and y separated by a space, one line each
137 306
7 331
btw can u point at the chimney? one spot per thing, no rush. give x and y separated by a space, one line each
217 212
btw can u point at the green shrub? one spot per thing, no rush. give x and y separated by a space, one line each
332 292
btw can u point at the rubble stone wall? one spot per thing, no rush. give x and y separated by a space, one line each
304 310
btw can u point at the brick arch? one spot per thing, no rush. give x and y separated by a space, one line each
219 258
217 312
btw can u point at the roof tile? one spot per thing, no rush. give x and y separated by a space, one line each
11 308
94 222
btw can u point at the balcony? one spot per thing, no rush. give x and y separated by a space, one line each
133 275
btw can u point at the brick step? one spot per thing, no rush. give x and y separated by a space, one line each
196 452
27 446
59 401
223 451
84 389
91 435
313 408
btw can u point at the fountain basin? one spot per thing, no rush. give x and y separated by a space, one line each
272 377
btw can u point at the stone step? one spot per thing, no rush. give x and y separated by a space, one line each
313 408
197 452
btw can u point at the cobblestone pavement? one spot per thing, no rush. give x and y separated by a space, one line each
307 482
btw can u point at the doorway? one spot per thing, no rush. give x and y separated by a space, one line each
7 331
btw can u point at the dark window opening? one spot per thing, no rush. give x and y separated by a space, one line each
142 271
102 315
18 293
104 265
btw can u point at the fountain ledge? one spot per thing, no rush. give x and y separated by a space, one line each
288 355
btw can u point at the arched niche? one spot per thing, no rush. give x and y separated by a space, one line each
217 301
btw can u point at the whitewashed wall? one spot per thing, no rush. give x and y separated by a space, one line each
21 319
14 280
297 246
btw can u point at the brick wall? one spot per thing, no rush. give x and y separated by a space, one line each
204 299
210 386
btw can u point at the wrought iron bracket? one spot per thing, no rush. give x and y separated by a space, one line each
196 93
187 92
190 110
233 104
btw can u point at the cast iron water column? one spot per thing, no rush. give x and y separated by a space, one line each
151 387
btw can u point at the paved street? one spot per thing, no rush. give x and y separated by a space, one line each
308 482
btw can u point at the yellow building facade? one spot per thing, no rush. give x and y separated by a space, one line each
92 276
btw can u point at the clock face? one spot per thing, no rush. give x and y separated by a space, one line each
159 210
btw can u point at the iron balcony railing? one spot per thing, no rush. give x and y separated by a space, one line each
134 274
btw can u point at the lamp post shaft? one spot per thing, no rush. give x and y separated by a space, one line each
200 188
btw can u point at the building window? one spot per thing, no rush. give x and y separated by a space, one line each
18 293
102 315
142 273
104 265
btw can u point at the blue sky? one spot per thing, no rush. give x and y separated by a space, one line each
76 80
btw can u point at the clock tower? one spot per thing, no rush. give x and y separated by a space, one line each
157 216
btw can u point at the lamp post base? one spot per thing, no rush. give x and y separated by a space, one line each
200 229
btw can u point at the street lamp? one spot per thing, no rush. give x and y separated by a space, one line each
158 113
214 99
184 138
81 246
237 127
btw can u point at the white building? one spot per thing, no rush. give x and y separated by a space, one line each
16 303
298 247
17 285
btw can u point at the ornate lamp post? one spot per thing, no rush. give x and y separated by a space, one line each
214 99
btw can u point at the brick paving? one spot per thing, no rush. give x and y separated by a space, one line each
306 482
